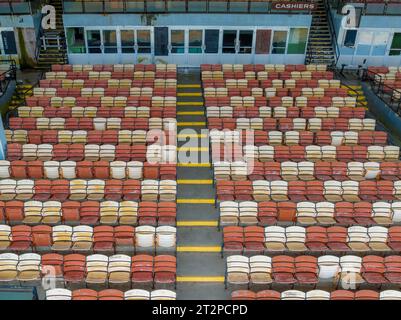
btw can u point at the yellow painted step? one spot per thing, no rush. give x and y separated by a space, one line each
192 124
205 249
188 86
194 181
196 201
189 94
219 279
190 113
200 149
194 165
197 223
190 135
193 103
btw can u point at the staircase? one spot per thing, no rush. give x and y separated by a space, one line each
53 48
320 46
200 267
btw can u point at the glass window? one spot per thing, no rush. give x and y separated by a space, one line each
177 39
113 6
350 37
76 40
195 41
110 41
212 41
155 6
238 6
218 6
197 6
245 41
94 42
143 38
297 40
395 49
176 6
93 6
135 6
259 6
279 42
229 38
127 41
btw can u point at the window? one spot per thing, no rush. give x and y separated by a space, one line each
195 41
76 40
279 42
218 6
94 41
127 41
297 40
176 6
110 41
350 37
155 6
144 45
245 41
229 39
395 49
238 6
177 40
197 6
212 41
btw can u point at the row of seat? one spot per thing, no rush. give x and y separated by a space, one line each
291 152
265 75
286 101
292 124
304 170
88 212
102 92
91 152
267 213
118 101
114 67
340 272
79 189
109 294
296 239
91 269
283 112
97 123
314 190
101 135
20 169
86 238
105 75
301 94
127 113
316 295
263 67
291 137
143 86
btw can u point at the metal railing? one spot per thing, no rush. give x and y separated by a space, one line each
181 6
385 7
389 95
333 33
19 8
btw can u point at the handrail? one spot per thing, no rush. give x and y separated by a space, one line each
364 4
122 6
389 95
333 32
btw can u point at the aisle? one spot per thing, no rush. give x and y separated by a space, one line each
200 268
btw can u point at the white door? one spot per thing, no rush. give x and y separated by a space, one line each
212 46
109 46
94 46
195 47
229 46
245 46
177 47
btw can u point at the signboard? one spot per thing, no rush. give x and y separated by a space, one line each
293 6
